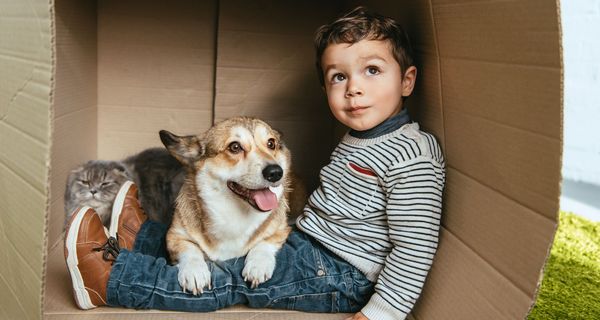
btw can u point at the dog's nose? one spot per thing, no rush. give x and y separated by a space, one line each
272 172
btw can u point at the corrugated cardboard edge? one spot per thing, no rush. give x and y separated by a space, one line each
215 57
49 155
562 110
439 67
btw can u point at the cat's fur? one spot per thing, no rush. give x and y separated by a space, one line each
95 184
157 174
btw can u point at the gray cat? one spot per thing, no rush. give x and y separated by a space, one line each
95 184
156 173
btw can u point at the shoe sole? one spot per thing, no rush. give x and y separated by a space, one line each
82 297
118 208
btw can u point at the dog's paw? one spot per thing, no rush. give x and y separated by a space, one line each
194 275
258 268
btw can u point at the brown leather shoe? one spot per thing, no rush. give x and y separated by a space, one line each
89 254
127 216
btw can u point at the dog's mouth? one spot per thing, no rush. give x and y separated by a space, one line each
261 199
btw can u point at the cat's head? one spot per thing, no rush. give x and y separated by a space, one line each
97 182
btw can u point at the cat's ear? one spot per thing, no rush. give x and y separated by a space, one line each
186 149
76 171
121 171
74 174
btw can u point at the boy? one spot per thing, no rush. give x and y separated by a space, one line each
368 234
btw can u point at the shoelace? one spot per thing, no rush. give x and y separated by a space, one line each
110 248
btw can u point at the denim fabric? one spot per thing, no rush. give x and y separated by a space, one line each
150 240
307 277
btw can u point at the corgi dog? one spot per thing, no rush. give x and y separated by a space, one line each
233 202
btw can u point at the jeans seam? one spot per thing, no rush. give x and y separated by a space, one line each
319 259
163 292
266 290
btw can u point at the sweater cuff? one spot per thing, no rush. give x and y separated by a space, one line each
379 309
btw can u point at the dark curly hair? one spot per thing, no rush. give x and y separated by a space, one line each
361 24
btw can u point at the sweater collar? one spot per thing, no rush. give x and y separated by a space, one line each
391 124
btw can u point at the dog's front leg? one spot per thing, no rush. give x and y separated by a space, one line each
260 263
193 273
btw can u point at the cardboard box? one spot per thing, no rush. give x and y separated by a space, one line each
82 80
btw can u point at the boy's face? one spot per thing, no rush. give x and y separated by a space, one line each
364 83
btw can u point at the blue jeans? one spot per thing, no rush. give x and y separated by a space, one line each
307 277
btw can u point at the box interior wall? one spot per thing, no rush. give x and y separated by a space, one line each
489 88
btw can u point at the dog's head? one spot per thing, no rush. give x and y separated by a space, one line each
241 156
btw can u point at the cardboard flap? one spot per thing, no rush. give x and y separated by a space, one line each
25 95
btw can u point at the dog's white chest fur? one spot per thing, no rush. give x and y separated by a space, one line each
232 223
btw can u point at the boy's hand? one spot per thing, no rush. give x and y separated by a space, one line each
358 316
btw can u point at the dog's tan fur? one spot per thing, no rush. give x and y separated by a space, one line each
202 229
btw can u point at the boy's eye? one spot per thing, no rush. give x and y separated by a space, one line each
235 147
271 144
338 77
373 70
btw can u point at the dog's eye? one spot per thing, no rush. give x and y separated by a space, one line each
235 147
271 144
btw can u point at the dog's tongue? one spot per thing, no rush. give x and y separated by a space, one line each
265 199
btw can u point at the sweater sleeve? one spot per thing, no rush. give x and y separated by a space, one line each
414 205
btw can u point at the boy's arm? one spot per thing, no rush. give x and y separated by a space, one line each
414 207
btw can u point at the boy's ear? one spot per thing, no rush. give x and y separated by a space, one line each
408 81
186 149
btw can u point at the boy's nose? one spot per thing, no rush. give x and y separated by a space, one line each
353 92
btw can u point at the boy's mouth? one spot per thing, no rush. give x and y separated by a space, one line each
356 110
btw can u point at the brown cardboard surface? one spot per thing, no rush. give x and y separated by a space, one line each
25 88
514 162
75 113
489 88
518 32
496 228
502 98
462 285
75 143
155 71
22 238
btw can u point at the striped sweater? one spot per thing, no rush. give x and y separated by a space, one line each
378 207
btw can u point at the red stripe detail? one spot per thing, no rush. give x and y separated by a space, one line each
362 170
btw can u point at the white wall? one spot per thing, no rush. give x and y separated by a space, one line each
581 49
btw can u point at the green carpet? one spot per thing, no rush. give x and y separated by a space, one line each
571 285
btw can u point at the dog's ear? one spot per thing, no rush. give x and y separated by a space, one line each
186 149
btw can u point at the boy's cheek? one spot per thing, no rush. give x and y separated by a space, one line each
335 105
335 95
